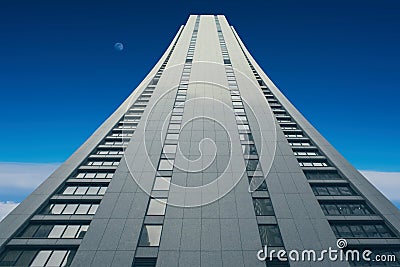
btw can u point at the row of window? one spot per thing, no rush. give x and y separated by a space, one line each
322 175
156 207
346 208
263 207
110 152
361 230
305 153
84 190
151 234
249 149
102 163
293 135
37 258
69 209
269 234
121 134
333 190
54 231
313 164
357 230
94 175
299 144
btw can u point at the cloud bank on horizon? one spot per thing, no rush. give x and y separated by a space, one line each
18 180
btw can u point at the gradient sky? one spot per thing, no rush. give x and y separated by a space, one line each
60 76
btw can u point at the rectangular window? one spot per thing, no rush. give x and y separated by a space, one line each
169 149
174 126
94 175
246 137
172 136
38 258
150 236
93 190
41 258
43 230
346 208
322 175
299 144
249 150
263 206
243 127
166 165
270 235
84 190
162 183
82 209
253 165
70 209
362 230
176 118
69 190
157 206
57 231
333 190
312 164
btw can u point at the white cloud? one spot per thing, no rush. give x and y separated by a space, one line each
24 175
18 180
387 182
6 208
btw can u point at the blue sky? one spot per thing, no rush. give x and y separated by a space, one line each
60 76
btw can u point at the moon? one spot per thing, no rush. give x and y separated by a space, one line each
119 46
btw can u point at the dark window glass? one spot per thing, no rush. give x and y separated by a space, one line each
252 165
319 175
270 235
320 191
26 258
346 208
257 183
371 231
346 191
357 231
68 259
246 137
333 190
383 230
29 231
43 230
343 231
262 187
144 262
263 206
362 230
331 209
360 209
249 150
10 257
47 209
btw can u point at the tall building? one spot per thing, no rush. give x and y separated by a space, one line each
204 164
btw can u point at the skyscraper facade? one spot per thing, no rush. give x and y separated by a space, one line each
206 163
